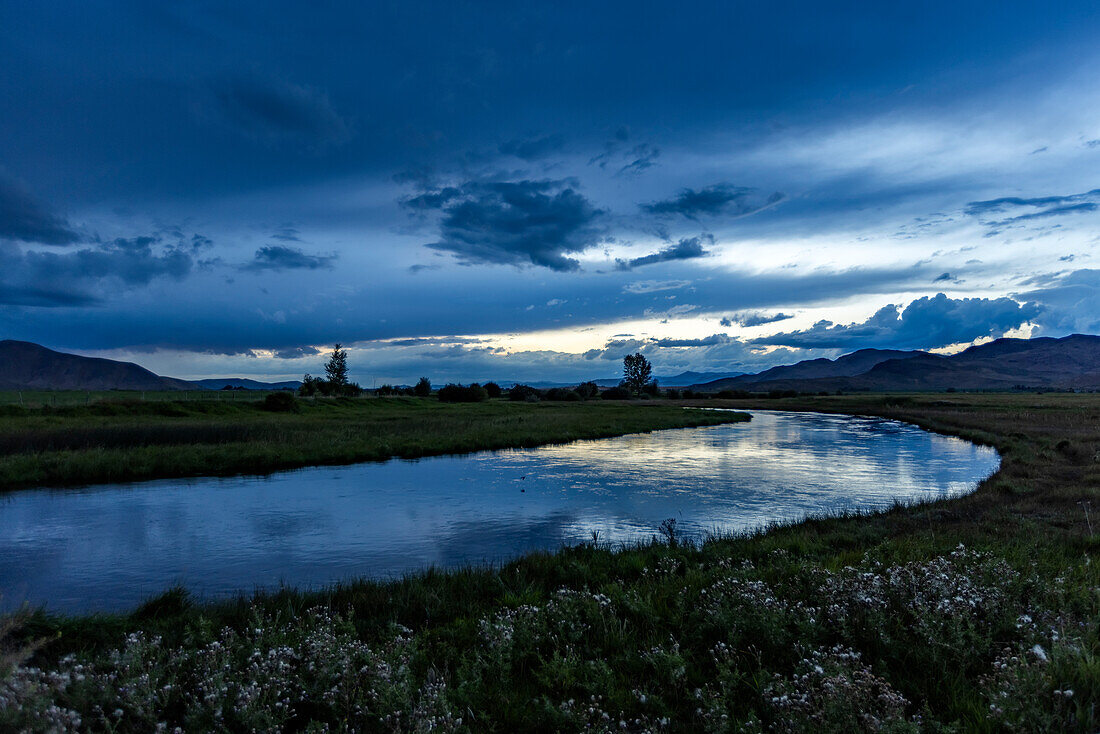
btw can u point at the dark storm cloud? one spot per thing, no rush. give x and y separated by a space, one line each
513 222
640 158
926 323
72 278
272 110
686 249
1071 301
533 149
280 257
709 341
1014 210
286 233
1007 203
297 352
754 318
24 219
721 199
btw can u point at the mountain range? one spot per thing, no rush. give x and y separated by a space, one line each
29 366
1069 363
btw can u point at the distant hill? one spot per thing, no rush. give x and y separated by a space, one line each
28 366
219 383
683 379
1072 362
849 365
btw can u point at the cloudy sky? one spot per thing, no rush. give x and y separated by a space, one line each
525 191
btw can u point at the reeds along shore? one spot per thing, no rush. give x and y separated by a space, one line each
972 614
132 440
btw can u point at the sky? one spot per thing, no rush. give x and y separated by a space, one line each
530 191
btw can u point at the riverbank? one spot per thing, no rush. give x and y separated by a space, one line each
972 614
133 440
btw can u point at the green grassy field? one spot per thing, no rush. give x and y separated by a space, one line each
63 398
128 440
973 614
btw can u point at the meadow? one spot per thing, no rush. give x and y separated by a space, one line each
973 614
129 439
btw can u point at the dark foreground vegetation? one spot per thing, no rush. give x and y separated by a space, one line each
127 440
974 614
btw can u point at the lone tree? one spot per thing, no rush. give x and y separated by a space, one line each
636 371
337 368
423 388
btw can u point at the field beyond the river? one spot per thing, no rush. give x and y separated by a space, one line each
980 613
120 440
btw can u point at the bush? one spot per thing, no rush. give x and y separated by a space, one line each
493 389
452 393
588 390
673 394
652 389
385 390
616 393
280 402
523 393
688 395
560 394
423 388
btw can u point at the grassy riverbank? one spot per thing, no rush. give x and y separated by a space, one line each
973 614
129 440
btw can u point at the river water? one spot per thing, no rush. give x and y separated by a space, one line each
110 547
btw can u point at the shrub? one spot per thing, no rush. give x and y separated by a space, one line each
493 389
588 390
523 393
280 402
616 393
452 393
423 388
561 394
309 386
673 394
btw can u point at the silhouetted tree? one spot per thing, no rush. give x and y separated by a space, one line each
636 371
493 389
523 393
309 385
337 368
423 388
452 393
588 390
615 393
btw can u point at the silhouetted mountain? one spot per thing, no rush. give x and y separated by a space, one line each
684 379
1072 362
27 366
218 383
849 365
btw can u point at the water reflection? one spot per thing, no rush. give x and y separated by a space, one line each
109 547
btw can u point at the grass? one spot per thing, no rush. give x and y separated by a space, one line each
978 613
130 440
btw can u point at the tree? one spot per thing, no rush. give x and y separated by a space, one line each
636 371
337 368
309 385
423 388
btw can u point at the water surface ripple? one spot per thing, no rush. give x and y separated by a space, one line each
110 547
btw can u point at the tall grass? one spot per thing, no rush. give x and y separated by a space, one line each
133 440
980 613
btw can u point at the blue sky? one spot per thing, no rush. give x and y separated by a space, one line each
526 191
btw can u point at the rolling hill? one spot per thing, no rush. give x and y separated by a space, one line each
28 366
1072 362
